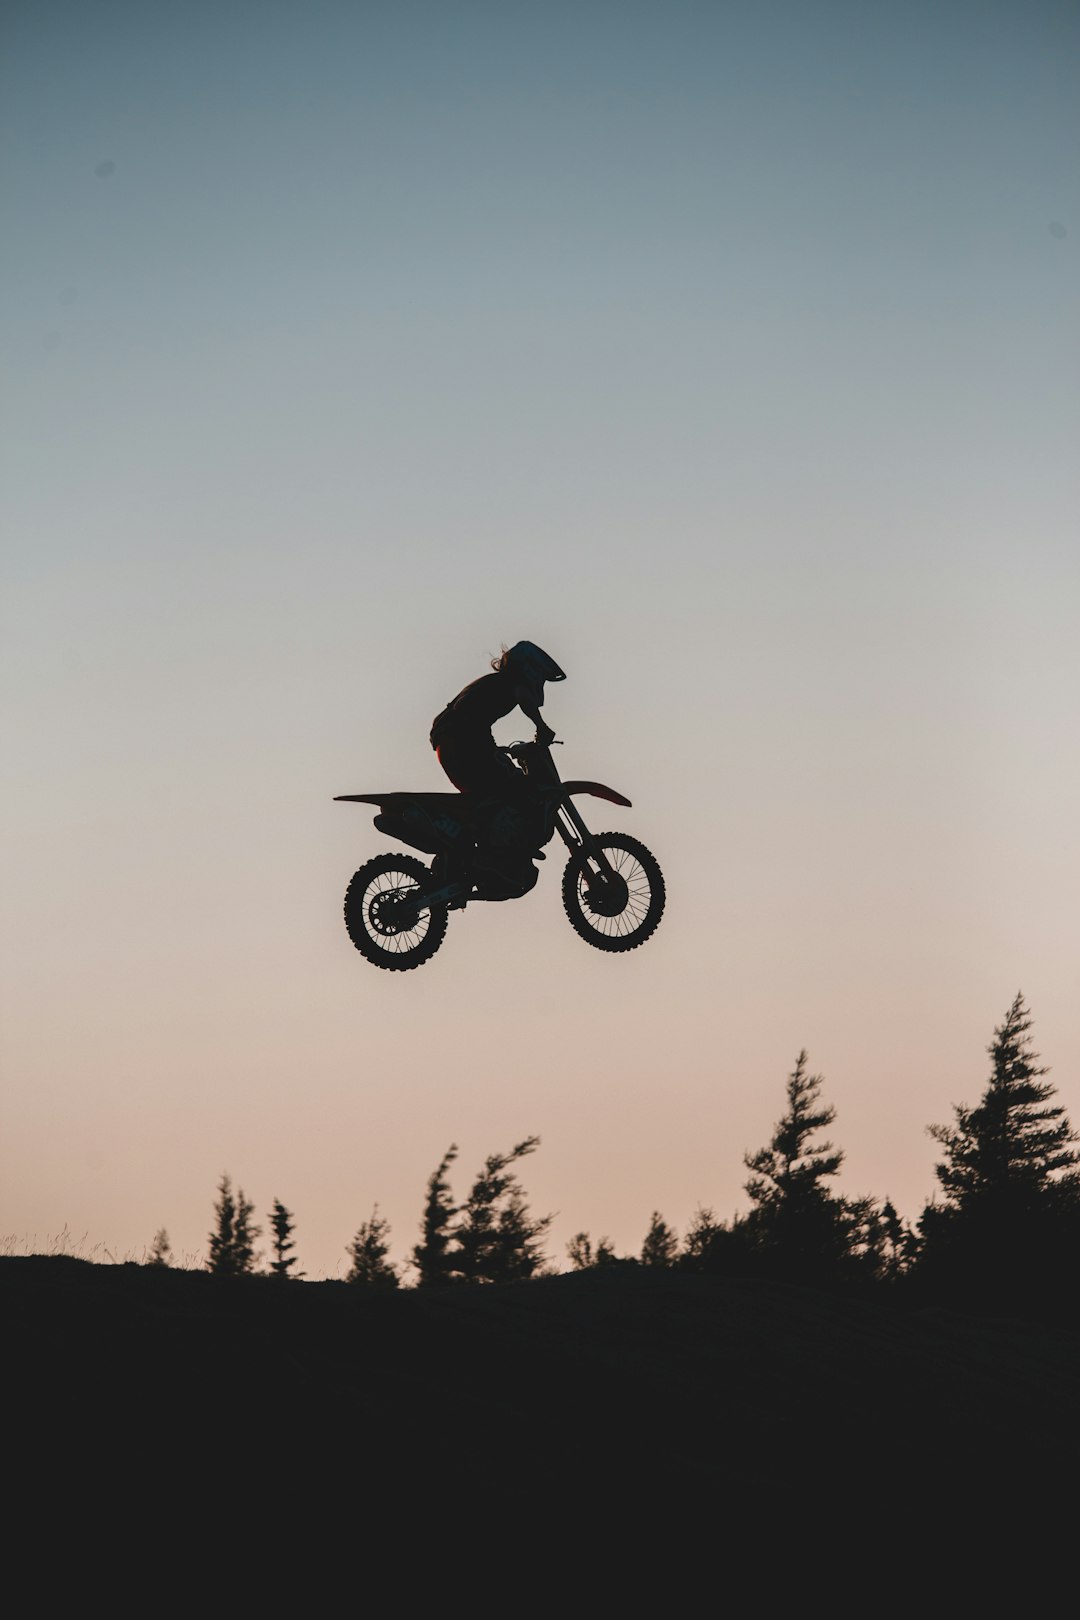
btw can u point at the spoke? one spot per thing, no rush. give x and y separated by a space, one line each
639 895
386 889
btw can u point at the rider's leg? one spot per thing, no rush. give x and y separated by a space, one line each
506 836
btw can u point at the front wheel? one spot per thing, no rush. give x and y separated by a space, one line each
616 914
387 917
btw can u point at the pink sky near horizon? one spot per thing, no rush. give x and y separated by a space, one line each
729 355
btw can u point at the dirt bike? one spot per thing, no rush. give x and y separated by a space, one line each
396 908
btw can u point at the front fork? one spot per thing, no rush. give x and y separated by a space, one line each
586 855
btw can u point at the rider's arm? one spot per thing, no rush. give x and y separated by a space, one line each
531 710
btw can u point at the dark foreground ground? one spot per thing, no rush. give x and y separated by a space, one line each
621 1381
621 1441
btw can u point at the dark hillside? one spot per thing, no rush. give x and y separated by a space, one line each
608 1380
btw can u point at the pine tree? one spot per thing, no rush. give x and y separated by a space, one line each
883 1243
582 1255
661 1244
161 1250
432 1255
498 1240
283 1225
712 1245
879 1244
232 1242
700 1240
221 1259
1009 1177
797 1225
1012 1147
244 1235
579 1251
899 1246
368 1252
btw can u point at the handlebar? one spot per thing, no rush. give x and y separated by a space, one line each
514 748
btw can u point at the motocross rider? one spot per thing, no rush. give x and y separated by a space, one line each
466 749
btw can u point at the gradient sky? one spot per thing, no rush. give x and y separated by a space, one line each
729 351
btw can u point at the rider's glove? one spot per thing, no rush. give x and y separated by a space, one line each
544 735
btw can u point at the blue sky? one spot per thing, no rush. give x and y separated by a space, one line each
729 351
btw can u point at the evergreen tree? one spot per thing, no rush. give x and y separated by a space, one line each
161 1250
282 1225
368 1252
221 1257
797 1226
700 1240
432 1255
244 1235
498 1240
661 1244
1012 1147
232 1242
583 1256
727 1249
878 1242
1008 1174
580 1252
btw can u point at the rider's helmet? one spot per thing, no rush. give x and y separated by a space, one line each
530 666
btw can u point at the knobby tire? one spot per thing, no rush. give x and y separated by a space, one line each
376 883
644 907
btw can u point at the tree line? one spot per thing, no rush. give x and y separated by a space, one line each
1006 1212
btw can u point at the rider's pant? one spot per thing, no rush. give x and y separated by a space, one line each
482 770
513 827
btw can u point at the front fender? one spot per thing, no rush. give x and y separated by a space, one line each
598 791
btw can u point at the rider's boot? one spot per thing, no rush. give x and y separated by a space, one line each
446 869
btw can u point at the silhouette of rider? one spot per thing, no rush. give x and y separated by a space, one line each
462 739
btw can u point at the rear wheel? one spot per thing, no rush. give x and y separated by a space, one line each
616 913
387 917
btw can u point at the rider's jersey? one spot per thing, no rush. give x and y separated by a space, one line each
468 718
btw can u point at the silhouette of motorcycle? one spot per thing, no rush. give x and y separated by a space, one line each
396 908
